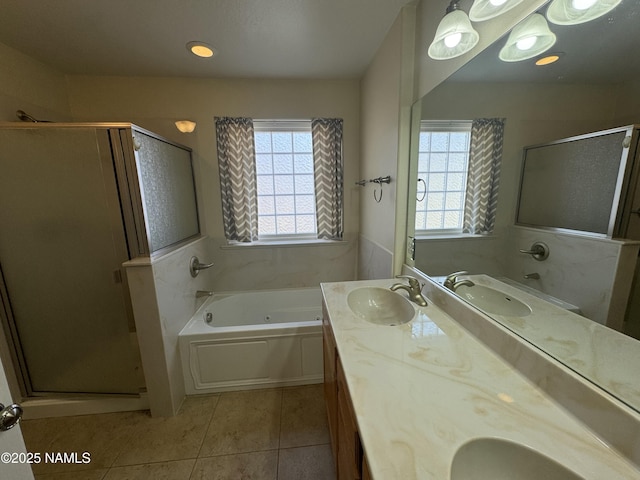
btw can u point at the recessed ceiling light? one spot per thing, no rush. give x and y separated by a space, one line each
548 59
201 49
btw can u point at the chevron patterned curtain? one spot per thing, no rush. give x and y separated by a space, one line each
328 171
237 166
485 158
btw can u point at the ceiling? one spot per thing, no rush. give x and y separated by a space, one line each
604 50
253 38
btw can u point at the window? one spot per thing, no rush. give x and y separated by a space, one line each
443 164
284 179
280 179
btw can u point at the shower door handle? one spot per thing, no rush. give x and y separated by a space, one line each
9 416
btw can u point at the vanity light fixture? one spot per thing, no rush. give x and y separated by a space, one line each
529 38
454 36
573 12
186 126
201 49
482 10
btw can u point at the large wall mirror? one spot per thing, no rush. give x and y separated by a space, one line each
593 86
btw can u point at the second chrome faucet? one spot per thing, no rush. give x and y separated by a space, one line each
452 282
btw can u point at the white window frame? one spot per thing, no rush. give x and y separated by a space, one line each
444 126
286 126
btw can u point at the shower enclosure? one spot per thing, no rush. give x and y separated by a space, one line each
76 202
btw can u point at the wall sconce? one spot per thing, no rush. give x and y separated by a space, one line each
454 36
528 39
573 12
482 10
186 126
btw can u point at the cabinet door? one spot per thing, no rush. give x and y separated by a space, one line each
330 386
349 458
366 473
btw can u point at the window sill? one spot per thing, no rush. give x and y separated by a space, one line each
285 244
453 236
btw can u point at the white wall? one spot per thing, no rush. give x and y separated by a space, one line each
386 92
29 85
155 103
628 104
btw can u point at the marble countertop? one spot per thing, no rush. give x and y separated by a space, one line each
423 389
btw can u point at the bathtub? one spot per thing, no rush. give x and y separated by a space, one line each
256 339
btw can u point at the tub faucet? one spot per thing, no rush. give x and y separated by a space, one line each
203 293
532 276
452 282
414 289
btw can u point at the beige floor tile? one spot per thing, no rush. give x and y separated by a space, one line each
306 463
172 438
246 421
82 475
102 436
178 470
304 417
243 466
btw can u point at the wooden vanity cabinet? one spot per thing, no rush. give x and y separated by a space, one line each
330 354
345 439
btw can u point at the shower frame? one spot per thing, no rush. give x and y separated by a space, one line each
119 140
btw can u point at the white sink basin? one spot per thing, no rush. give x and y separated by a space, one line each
497 459
493 301
380 306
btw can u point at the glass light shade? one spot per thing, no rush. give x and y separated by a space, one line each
534 26
186 126
573 12
453 25
482 10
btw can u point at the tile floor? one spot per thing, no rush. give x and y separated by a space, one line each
274 434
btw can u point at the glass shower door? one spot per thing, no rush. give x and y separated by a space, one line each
62 245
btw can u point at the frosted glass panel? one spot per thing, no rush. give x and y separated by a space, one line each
168 193
60 244
572 184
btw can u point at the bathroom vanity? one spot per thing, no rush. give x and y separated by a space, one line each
426 399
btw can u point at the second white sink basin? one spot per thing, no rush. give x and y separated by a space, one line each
493 301
497 459
380 306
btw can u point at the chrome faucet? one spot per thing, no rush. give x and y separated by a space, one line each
203 293
532 276
414 289
452 282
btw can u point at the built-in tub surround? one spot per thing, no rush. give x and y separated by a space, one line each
163 297
281 264
423 389
242 340
591 272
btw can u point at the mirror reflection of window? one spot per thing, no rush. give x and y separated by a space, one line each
443 164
